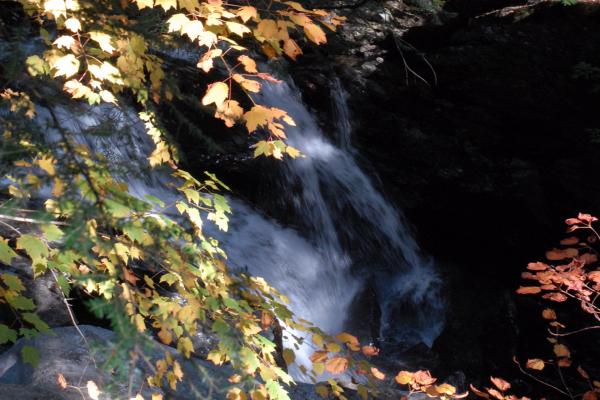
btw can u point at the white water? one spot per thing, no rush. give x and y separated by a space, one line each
350 234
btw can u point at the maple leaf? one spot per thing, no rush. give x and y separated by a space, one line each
248 63
314 33
216 93
336 365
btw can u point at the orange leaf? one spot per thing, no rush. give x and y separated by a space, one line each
528 290
569 241
561 254
319 356
350 341
549 313
370 351
424 378
536 364
479 392
314 33
377 373
500 383
537 266
62 382
404 377
336 365
561 350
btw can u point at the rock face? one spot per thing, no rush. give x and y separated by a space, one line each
481 120
65 352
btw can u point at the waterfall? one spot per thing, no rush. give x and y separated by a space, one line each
359 233
348 235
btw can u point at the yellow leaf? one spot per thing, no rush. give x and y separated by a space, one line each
248 63
139 323
66 66
236 394
536 364
185 345
314 33
167 4
247 84
177 22
238 29
206 63
107 96
93 391
256 117
73 24
64 42
446 389
216 93
267 29
293 152
296 6
47 164
230 112
76 89
177 371
189 5
246 13
193 29
144 3
56 8
103 40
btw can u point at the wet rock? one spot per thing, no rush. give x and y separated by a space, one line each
65 352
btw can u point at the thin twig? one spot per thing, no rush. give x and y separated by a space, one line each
537 379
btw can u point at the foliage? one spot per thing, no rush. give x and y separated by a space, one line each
150 273
571 274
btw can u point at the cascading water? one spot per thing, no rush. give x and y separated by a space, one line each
359 233
350 236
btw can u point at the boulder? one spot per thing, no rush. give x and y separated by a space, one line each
64 351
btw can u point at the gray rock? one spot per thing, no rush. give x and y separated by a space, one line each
65 352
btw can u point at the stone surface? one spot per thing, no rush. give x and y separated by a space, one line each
65 352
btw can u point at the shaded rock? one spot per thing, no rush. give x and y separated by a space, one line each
65 352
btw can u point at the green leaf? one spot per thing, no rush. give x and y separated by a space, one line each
6 253
13 282
34 247
35 320
276 392
52 233
21 303
30 355
7 334
116 209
